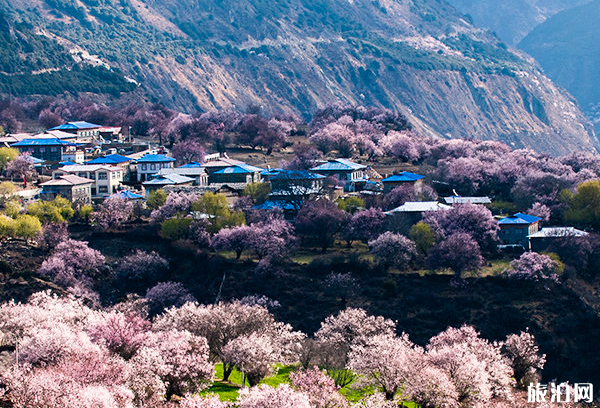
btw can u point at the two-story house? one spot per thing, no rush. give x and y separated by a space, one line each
74 188
48 149
83 130
343 169
106 179
400 179
516 229
239 173
150 164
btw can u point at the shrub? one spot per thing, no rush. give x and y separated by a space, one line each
156 199
175 228
55 211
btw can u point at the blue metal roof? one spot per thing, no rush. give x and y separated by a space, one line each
76 126
155 158
43 142
65 163
239 169
297 175
270 204
270 172
191 165
128 195
339 165
519 218
404 176
110 159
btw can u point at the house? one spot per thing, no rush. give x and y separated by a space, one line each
198 173
296 187
464 200
402 218
81 129
150 164
73 154
160 181
111 159
353 175
114 134
28 196
74 188
343 169
50 149
541 240
106 179
213 166
238 173
516 229
391 182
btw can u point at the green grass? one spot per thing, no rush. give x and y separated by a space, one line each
228 391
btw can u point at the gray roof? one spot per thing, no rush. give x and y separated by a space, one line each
418 207
168 179
67 180
184 171
464 200
558 232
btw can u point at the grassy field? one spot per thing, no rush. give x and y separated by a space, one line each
228 391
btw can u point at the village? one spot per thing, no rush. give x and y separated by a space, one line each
87 163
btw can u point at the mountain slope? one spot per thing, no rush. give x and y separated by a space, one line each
416 56
31 63
568 48
512 20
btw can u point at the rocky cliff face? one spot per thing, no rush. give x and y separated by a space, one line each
417 56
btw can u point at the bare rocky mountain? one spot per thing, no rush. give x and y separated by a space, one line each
420 57
512 20
567 46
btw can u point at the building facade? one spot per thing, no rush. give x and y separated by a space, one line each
150 164
74 188
50 149
106 179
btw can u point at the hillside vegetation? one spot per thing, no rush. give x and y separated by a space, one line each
32 63
419 57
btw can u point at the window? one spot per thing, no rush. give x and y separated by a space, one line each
92 175
152 166
144 167
53 149
112 175
102 176
103 189
42 149
84 175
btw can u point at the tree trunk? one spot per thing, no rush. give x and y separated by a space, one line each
253 380
389 395
227 370
238 254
